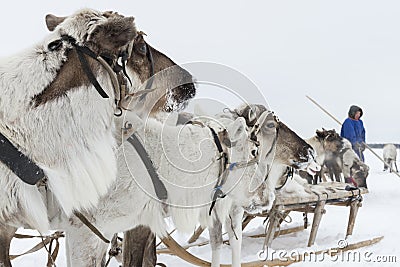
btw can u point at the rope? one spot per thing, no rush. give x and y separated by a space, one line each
90 226
45 240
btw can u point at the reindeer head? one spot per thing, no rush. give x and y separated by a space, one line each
173 86
278 148
101 35
105 33
331 140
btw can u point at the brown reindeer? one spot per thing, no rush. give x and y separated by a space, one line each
328 144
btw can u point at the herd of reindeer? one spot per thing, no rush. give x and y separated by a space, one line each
71 104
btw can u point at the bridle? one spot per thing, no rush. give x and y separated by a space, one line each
226 166
253 137
123 77
84 51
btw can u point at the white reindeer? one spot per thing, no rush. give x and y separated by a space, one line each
190 180
131 201
171 78
291 151
52 113
390 156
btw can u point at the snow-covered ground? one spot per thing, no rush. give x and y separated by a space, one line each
377 217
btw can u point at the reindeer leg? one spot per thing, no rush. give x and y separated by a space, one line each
6 235
215 233
233 226
139 248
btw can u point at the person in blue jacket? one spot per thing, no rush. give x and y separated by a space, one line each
353 130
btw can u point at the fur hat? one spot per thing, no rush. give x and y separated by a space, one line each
353 109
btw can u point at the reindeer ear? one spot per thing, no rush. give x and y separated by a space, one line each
252 116
53 21
116 32
320 134
237 130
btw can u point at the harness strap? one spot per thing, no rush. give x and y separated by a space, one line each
222 175
19 163
93 228
150 81
216 140
217 194
86 68
159 187
289 174
82 51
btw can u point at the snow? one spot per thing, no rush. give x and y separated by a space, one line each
377 217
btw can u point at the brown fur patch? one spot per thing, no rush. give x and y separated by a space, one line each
71 75
290 146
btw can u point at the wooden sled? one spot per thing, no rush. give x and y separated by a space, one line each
313 203
190 258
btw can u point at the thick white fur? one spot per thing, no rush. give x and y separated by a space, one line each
185 158
318 148
186 161
71 138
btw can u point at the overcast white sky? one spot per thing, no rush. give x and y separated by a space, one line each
339 52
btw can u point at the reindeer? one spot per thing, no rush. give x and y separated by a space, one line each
60 119
178 84
136 206
328 145
355 171
289 153
337 158
389 156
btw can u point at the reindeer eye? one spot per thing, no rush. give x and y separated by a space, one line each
54 45
142 49
270 125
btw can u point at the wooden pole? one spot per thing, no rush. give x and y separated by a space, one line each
352 217
319 211
367 146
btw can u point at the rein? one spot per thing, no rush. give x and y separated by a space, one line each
82 51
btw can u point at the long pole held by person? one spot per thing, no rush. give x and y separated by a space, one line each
330 115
